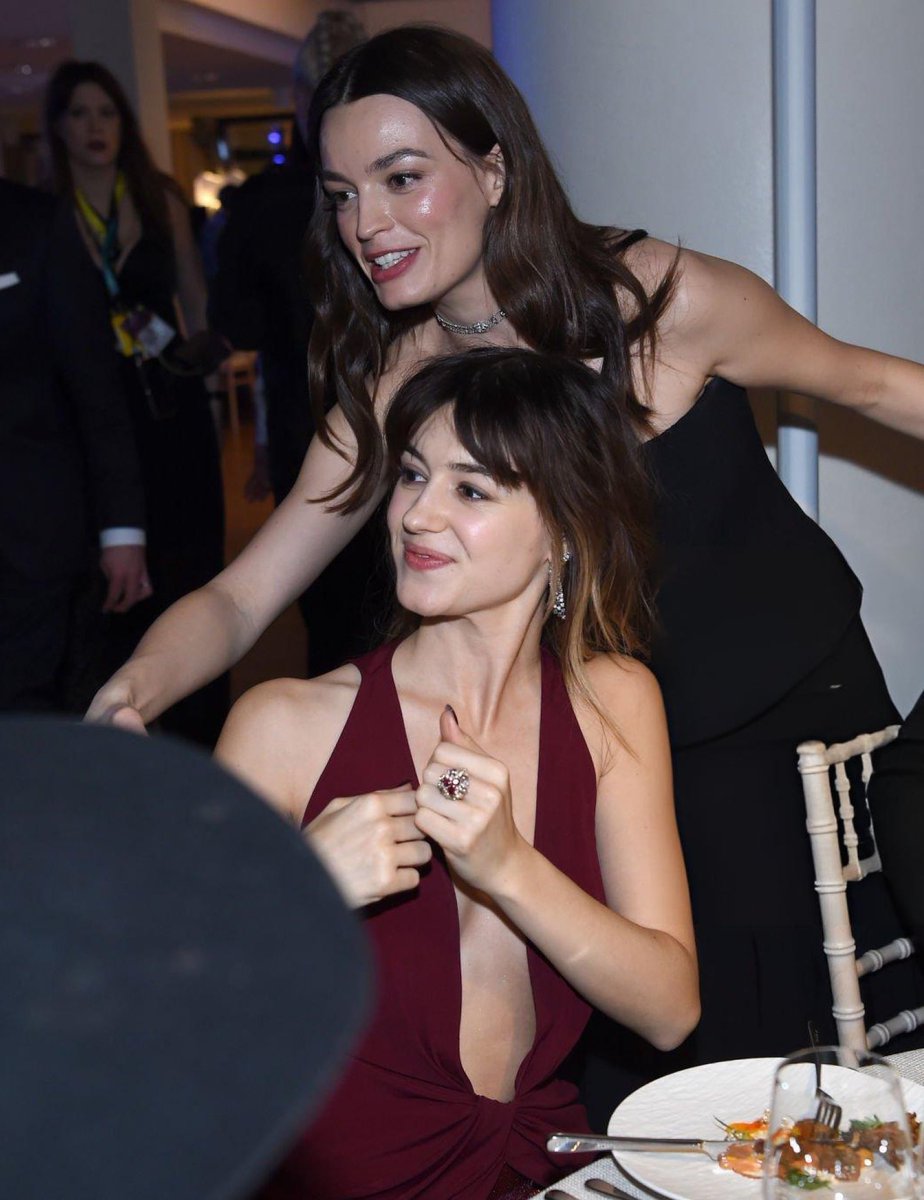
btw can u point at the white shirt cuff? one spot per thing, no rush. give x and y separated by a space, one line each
121 535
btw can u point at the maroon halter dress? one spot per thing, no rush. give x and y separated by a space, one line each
404 1122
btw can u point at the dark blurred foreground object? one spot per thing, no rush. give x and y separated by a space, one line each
181 980
896 801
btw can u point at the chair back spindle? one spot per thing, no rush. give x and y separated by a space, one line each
832 874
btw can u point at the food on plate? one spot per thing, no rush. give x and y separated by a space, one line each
811 1155
744 1158
746 1131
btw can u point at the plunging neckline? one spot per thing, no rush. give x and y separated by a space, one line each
407 1073
531 952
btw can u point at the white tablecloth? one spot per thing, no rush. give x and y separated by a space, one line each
910 1065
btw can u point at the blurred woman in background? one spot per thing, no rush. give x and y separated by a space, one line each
135 225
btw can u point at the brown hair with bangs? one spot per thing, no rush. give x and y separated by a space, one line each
555 276
551 425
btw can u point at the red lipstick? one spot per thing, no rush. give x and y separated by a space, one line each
420 559
385 274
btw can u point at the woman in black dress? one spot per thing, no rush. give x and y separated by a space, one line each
442 226
136 228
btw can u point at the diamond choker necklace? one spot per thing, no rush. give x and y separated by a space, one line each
477 327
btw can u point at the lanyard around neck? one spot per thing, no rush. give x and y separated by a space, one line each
105 232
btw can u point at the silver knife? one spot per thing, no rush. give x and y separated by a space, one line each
581 1143
607 1189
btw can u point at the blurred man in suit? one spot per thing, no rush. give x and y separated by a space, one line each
258 300
67 452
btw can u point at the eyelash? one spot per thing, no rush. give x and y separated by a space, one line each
413 176
339 200
408 476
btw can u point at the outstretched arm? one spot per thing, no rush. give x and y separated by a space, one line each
736 326
210 629
634 957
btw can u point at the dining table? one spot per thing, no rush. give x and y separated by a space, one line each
909 1065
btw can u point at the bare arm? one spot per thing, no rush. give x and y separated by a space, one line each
735 325
369 844
634 957
210 629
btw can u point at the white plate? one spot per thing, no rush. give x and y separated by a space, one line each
684 1105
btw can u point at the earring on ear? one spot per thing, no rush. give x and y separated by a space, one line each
558 607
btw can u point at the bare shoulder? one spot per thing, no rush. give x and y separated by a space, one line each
650 260
624 685
695 276
279 735
277 708
629 694
679 376
715 308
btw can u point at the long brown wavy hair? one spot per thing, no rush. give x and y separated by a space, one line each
550 424
146 184
556 276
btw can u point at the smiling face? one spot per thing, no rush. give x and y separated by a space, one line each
409 211
462 543
91 127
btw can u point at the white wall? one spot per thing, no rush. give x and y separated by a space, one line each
472 17
295 17
870 269
123 34
290 17
659 113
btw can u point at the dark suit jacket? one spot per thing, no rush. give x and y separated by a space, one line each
68 461
259 301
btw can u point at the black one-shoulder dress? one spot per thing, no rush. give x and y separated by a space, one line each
760 646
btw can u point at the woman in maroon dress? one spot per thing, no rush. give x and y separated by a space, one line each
515 855
441 225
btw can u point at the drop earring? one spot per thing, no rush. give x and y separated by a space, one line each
558 607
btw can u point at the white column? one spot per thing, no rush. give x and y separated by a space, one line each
796 225
659 113
124 36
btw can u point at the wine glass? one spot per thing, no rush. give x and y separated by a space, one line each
863 1152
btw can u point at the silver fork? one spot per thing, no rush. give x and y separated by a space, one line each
827 1114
